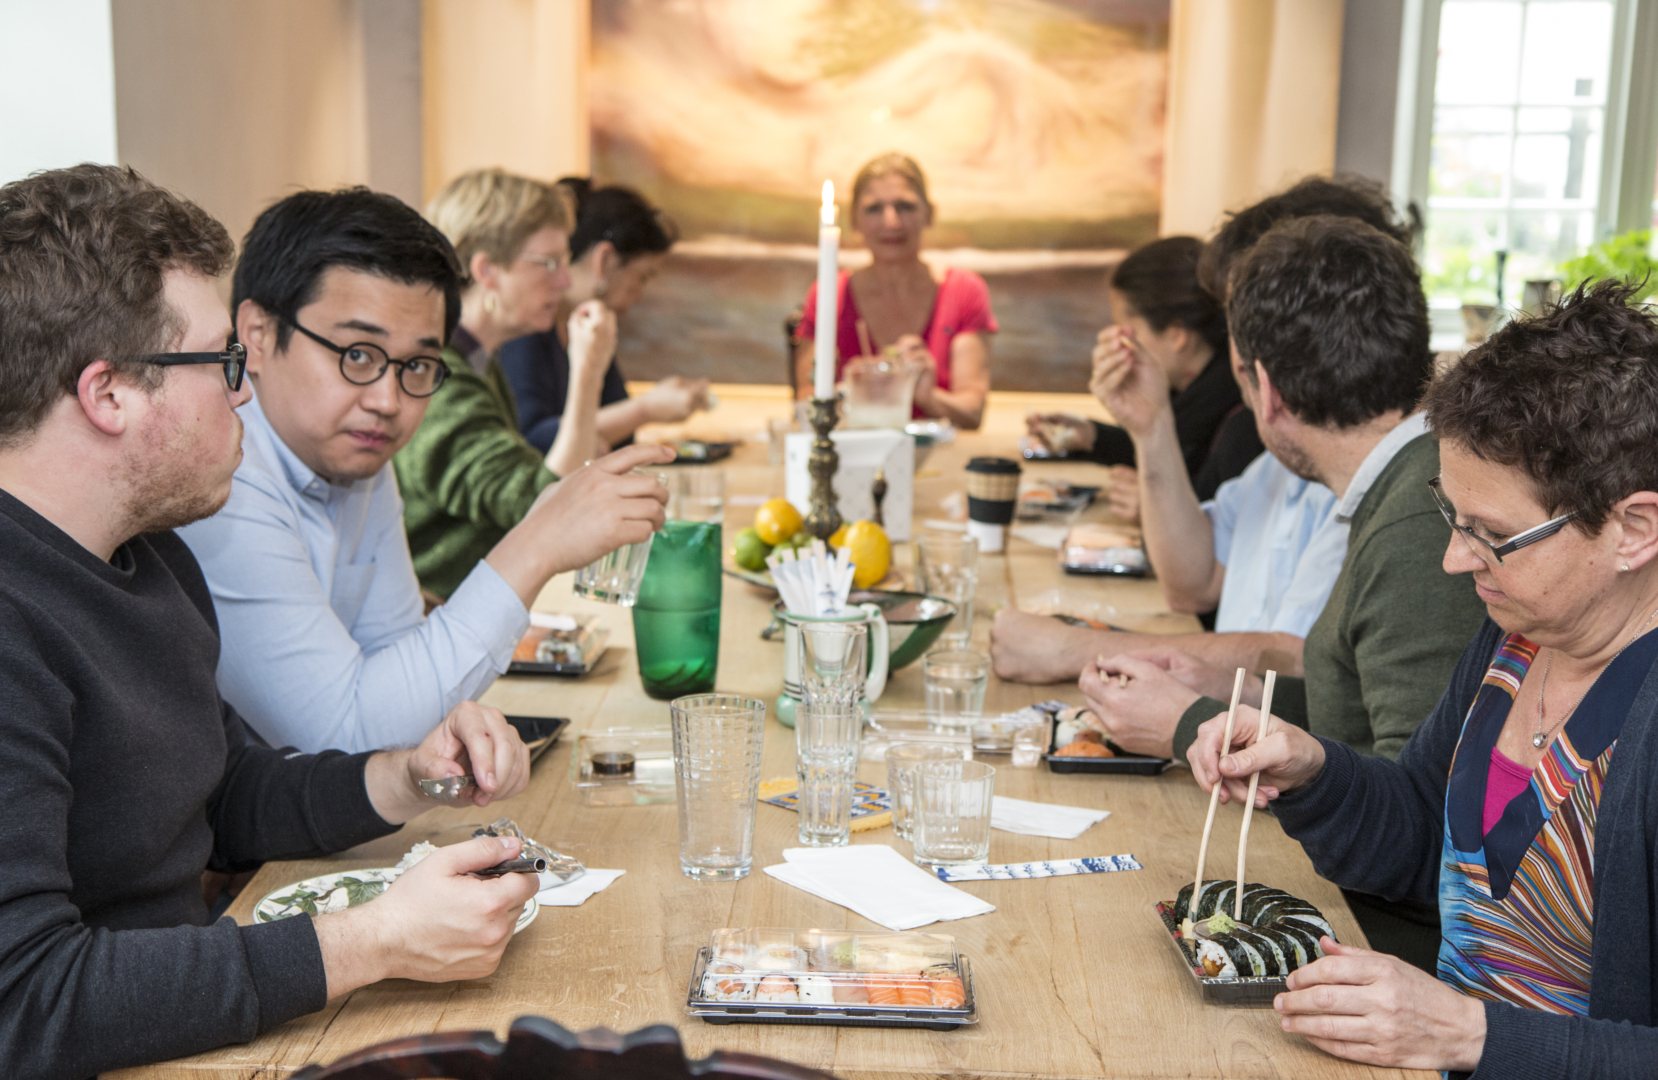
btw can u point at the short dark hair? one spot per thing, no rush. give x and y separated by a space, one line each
1568 397
83 254
296 240
1334 310
1343 195
619 214
1160 281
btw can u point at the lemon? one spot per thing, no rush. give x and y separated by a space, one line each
839 539
777 521
749 551
870 551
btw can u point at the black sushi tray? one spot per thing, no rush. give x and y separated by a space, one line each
1249 991
1123 764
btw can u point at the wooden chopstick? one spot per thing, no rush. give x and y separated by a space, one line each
1214 794
1249 804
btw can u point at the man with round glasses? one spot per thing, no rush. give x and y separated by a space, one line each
343 302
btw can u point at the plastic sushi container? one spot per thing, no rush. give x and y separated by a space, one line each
882 979
1255 991
1121 762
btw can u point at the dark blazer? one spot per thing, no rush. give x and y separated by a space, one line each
538 368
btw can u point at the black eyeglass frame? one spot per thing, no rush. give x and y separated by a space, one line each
234 359
1524 538
441 371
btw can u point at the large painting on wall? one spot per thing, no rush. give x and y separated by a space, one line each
1039 123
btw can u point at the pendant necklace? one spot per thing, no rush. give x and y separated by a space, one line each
1542 736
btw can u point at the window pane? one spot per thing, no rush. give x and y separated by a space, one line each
1479 52
1539 241
1476 121
1468 166
1567 48
1557 166
1458 259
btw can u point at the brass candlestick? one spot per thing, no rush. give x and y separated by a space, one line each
825 517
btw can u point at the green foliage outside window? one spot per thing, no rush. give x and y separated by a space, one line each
1627 257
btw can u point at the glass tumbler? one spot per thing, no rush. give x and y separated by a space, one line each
954 682
951 824
698 493
614 577
947 566
717 745
902 762
828 723
676 618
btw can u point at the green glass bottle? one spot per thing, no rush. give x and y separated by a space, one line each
676 621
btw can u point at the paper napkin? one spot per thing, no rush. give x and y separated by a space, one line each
1042 819
573 893
877 883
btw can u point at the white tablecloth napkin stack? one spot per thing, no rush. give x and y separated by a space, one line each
877 883
1043 819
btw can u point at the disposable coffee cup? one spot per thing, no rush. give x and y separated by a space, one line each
992 493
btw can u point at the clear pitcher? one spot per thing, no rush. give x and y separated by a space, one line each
880 392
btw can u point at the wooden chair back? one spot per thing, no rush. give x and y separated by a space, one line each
538 1049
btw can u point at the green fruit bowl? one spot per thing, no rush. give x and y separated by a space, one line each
916 620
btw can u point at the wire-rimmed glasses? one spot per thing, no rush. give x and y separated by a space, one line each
362 362
1485 549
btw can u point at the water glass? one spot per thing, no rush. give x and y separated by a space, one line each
833 665
697 493
955 682
951 822
614 577
676 618
947 566
717 745
902 762
826 763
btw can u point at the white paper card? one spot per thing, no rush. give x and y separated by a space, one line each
574 893
877 883
1042 819
861 453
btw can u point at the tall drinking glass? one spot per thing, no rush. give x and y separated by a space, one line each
951 824
827 725
903 761
698 493
954 682
676 619
615 576
717 745
947 566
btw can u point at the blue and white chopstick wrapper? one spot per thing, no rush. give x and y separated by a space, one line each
1103 864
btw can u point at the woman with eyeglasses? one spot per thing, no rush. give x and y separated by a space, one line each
1527 804
468 475
941 321
619 244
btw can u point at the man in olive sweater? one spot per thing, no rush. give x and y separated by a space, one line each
124 773
1330 325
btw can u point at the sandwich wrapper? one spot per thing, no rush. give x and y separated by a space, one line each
1041 819
877 883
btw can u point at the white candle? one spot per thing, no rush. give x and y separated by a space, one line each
828 297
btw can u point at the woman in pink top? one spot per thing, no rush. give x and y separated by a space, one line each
940 321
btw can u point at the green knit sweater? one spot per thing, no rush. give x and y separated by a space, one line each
1382 651
467 476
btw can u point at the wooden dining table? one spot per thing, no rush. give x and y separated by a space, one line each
1074 976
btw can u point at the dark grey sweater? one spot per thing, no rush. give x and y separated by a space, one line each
122 777
1378 826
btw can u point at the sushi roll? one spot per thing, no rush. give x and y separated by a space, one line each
816 990
779 957
1183 899
1316 924
1272 958
1226 956
850 990
779 989
727 981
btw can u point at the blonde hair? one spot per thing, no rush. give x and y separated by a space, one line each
495 212
891 164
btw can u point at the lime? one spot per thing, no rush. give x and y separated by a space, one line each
749 551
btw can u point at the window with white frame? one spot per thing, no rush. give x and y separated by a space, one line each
1521 97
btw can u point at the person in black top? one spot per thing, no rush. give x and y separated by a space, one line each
125 775
1159 308
618 245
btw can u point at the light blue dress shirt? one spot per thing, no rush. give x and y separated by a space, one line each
324 643
1282 545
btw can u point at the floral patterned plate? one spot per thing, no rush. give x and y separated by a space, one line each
336 892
